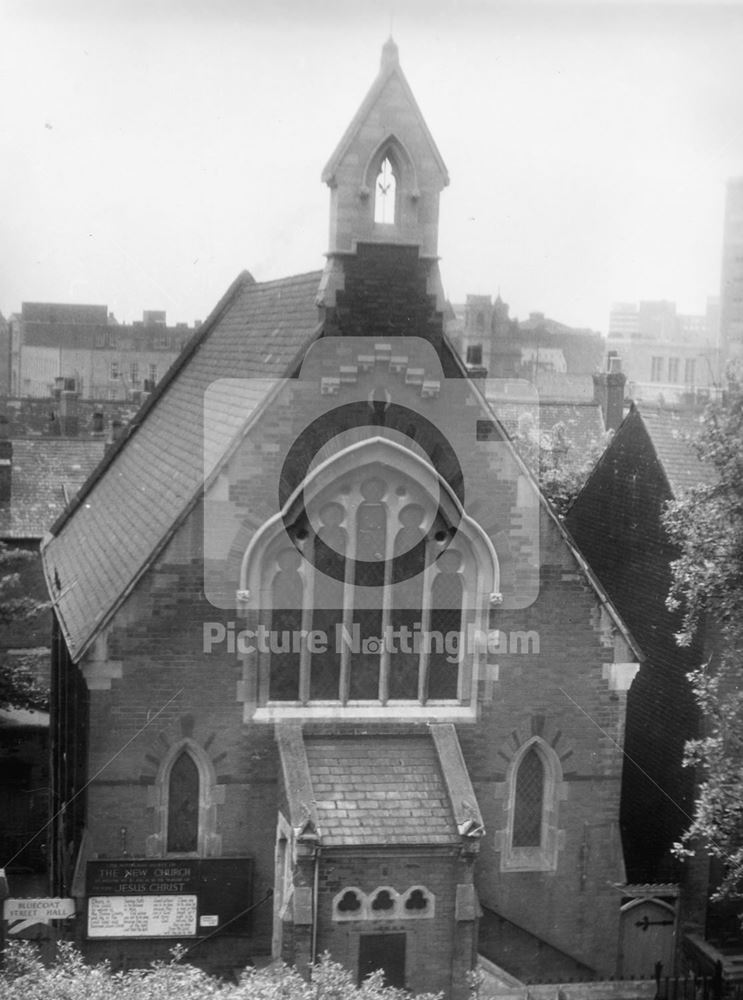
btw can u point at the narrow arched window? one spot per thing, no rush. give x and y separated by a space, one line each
183 806
529 801
385 193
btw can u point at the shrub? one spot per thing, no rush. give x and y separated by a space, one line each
24 977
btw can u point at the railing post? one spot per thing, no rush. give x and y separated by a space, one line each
658 974
717 981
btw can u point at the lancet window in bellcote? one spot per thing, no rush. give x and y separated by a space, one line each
385 194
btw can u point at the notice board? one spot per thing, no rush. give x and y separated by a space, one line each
174 897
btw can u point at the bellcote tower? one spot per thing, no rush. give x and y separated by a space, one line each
385 178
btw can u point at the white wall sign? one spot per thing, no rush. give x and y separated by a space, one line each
23 913
141 916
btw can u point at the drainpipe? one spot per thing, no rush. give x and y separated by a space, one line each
315 906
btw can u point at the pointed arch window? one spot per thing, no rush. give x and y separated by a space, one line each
385 193
534 787
528 804
183 806
185 797
390 592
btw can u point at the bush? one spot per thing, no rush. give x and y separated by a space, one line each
25 977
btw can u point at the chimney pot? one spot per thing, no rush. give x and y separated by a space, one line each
608 391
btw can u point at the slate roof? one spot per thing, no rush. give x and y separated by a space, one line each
136 500
671 432
583 423
371 791
562 387
46 474
133 504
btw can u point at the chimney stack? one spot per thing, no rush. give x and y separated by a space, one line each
68 415
116 433
608 391
97 429
6 462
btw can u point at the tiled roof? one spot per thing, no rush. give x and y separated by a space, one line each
380 790
129 510
583 423
46 475
671 432
562 387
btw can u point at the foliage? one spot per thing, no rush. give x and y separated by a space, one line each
560 465
18 686
707 585
24 977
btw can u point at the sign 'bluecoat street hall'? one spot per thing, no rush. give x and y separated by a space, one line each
331 673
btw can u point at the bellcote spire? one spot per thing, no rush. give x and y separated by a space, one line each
390 54
387 153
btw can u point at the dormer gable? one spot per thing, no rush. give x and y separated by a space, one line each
386 174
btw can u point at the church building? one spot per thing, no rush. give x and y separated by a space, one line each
329 674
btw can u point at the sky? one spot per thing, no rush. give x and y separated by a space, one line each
150 152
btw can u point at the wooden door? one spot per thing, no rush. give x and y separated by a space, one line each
648 928
385 952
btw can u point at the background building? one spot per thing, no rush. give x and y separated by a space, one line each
731 291
667 356
83 344
491 341
39 477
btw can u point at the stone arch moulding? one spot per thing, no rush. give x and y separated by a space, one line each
542 856
211 795
353 904
384 451
402 163
338 481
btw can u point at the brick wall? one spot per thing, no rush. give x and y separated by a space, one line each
433 945
154 686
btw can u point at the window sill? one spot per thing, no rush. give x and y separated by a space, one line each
448 712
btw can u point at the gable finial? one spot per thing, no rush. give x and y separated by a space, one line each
390 54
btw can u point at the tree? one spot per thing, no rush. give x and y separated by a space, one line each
560 465
19 688
707 585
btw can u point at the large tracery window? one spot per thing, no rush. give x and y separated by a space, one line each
374 604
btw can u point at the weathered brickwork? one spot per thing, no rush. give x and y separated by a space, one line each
169 689
553 686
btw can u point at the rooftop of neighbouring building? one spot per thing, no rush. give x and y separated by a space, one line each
45 475
672 433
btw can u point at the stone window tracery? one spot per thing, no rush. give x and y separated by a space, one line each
374 594
383 903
